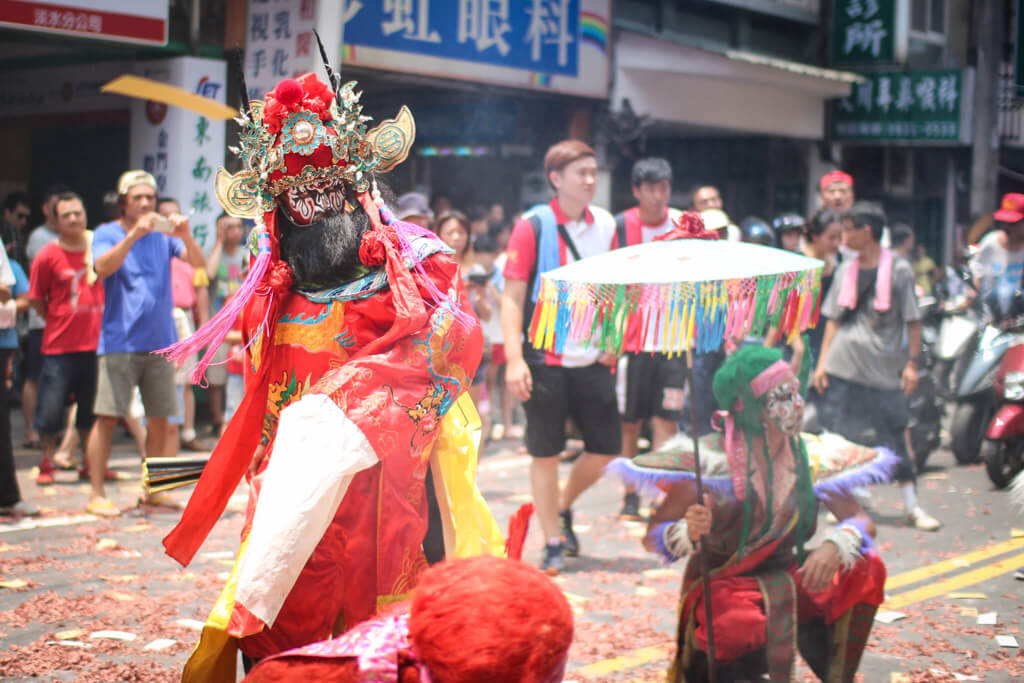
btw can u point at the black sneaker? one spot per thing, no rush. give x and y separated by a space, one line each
630 507
553 561
571 543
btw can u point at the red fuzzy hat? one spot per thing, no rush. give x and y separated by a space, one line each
473 619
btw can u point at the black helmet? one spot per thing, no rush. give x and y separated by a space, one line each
756 230
785 222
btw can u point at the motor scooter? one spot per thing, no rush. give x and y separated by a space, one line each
960 319
958 332
1003 447
975 401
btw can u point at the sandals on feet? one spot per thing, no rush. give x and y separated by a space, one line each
102 508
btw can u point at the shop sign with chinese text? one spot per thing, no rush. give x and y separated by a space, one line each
129 21
183 150
869 31
925 106
555 45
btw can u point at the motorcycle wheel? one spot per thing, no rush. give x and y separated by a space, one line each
968 428
1001 464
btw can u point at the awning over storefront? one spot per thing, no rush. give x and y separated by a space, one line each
730 90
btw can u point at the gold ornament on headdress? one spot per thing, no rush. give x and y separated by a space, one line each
356 153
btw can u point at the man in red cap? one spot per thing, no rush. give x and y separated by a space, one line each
999 264
837 191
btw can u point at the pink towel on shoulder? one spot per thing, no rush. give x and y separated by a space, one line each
883 284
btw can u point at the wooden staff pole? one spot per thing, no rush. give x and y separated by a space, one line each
702 559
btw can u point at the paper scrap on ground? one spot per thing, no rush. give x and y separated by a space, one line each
68 643
897 677
68 634
889 616
13 583
987 619
1007 641
968 611
114 635
965 677
106 544
218 554
191 623
662 574
121 578
577 599
645 592
936 475
160 644
967 595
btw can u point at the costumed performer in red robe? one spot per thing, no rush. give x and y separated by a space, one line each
770 596
361 345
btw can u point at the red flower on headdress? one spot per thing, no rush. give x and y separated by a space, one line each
292 95
689 225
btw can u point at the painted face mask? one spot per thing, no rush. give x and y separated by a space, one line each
785 407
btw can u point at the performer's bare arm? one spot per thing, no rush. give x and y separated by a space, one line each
681 503
517 372
823 562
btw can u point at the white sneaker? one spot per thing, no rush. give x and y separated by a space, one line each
20 509
922 520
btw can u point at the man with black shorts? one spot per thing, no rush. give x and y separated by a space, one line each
577 384
649 385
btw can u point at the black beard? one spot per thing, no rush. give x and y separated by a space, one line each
325 252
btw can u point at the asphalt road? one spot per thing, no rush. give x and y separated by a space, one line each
66 576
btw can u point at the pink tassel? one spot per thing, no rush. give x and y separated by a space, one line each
406 230
212 334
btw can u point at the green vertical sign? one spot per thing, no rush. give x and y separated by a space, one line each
863 31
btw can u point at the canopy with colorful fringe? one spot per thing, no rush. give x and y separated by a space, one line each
676 295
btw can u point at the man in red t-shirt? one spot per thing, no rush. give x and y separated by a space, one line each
578 383
66 293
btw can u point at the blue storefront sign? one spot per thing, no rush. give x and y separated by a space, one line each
535 35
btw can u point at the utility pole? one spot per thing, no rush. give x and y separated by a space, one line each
985 138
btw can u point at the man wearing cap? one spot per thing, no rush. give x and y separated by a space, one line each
412 207
998 266
132 256
837 191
